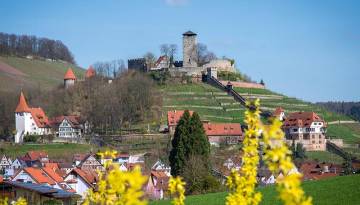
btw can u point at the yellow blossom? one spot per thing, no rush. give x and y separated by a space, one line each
176 187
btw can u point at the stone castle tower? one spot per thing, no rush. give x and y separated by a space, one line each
189 49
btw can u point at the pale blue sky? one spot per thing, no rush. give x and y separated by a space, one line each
306 49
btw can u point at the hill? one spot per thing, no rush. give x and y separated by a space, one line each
17 73
338 190
215 105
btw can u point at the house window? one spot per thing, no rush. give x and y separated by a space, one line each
313 136
313 141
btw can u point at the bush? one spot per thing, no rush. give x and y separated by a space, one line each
31 138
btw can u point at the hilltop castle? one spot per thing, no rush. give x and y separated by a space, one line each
188 66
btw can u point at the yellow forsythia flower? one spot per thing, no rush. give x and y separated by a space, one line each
176 187
116 187
20 201
242 186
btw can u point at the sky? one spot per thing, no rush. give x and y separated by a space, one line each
305 49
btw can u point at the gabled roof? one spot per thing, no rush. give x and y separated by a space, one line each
89 176
22 105
69 75
302 119
162 179
222 129
174 116
35 155
39 175
278 111
73 120
39 117
53 174
90 72
189 33
160 59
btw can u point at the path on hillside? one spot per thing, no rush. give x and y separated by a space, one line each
342 122
10 70
215 82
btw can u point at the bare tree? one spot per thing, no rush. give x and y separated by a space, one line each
204 55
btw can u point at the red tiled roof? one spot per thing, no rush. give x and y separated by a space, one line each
222 129
161 58
278 111
89 177
174 116
162 180
38 114
40 117
36 155
90 72
22 105
302 119
315 171
53 166
39 175
69 75
52 173
72 119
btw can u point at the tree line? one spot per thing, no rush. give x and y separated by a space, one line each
29 45
351 109
130 98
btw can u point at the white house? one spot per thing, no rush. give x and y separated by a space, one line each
29 120
15 165
81 181
161 63
306 128
5 162
160 166
67 126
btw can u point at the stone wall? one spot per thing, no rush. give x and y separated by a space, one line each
243 84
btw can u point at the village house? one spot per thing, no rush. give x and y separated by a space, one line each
279 113
67 126
161 63
36 194
5 162
89 162
314 170
160 166
217 133
157 185
173 118
223 133
15 165
29 121
306 128
36 176
81 181
35 158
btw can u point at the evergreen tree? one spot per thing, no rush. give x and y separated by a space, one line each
198 141
179 145
300 151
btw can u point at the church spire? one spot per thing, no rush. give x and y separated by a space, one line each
22 105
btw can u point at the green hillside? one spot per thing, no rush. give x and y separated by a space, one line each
17 73
338 190
215 105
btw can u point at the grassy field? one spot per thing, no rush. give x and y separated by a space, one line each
37 73
350 133
344 190
324 156
55 151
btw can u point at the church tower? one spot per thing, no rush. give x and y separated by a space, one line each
69 78
189 49
22 119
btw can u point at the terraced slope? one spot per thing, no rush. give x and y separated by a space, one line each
17 73
215 105
211 103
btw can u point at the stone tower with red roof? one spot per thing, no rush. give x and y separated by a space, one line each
69 78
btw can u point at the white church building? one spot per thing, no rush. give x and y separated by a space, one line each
29 121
